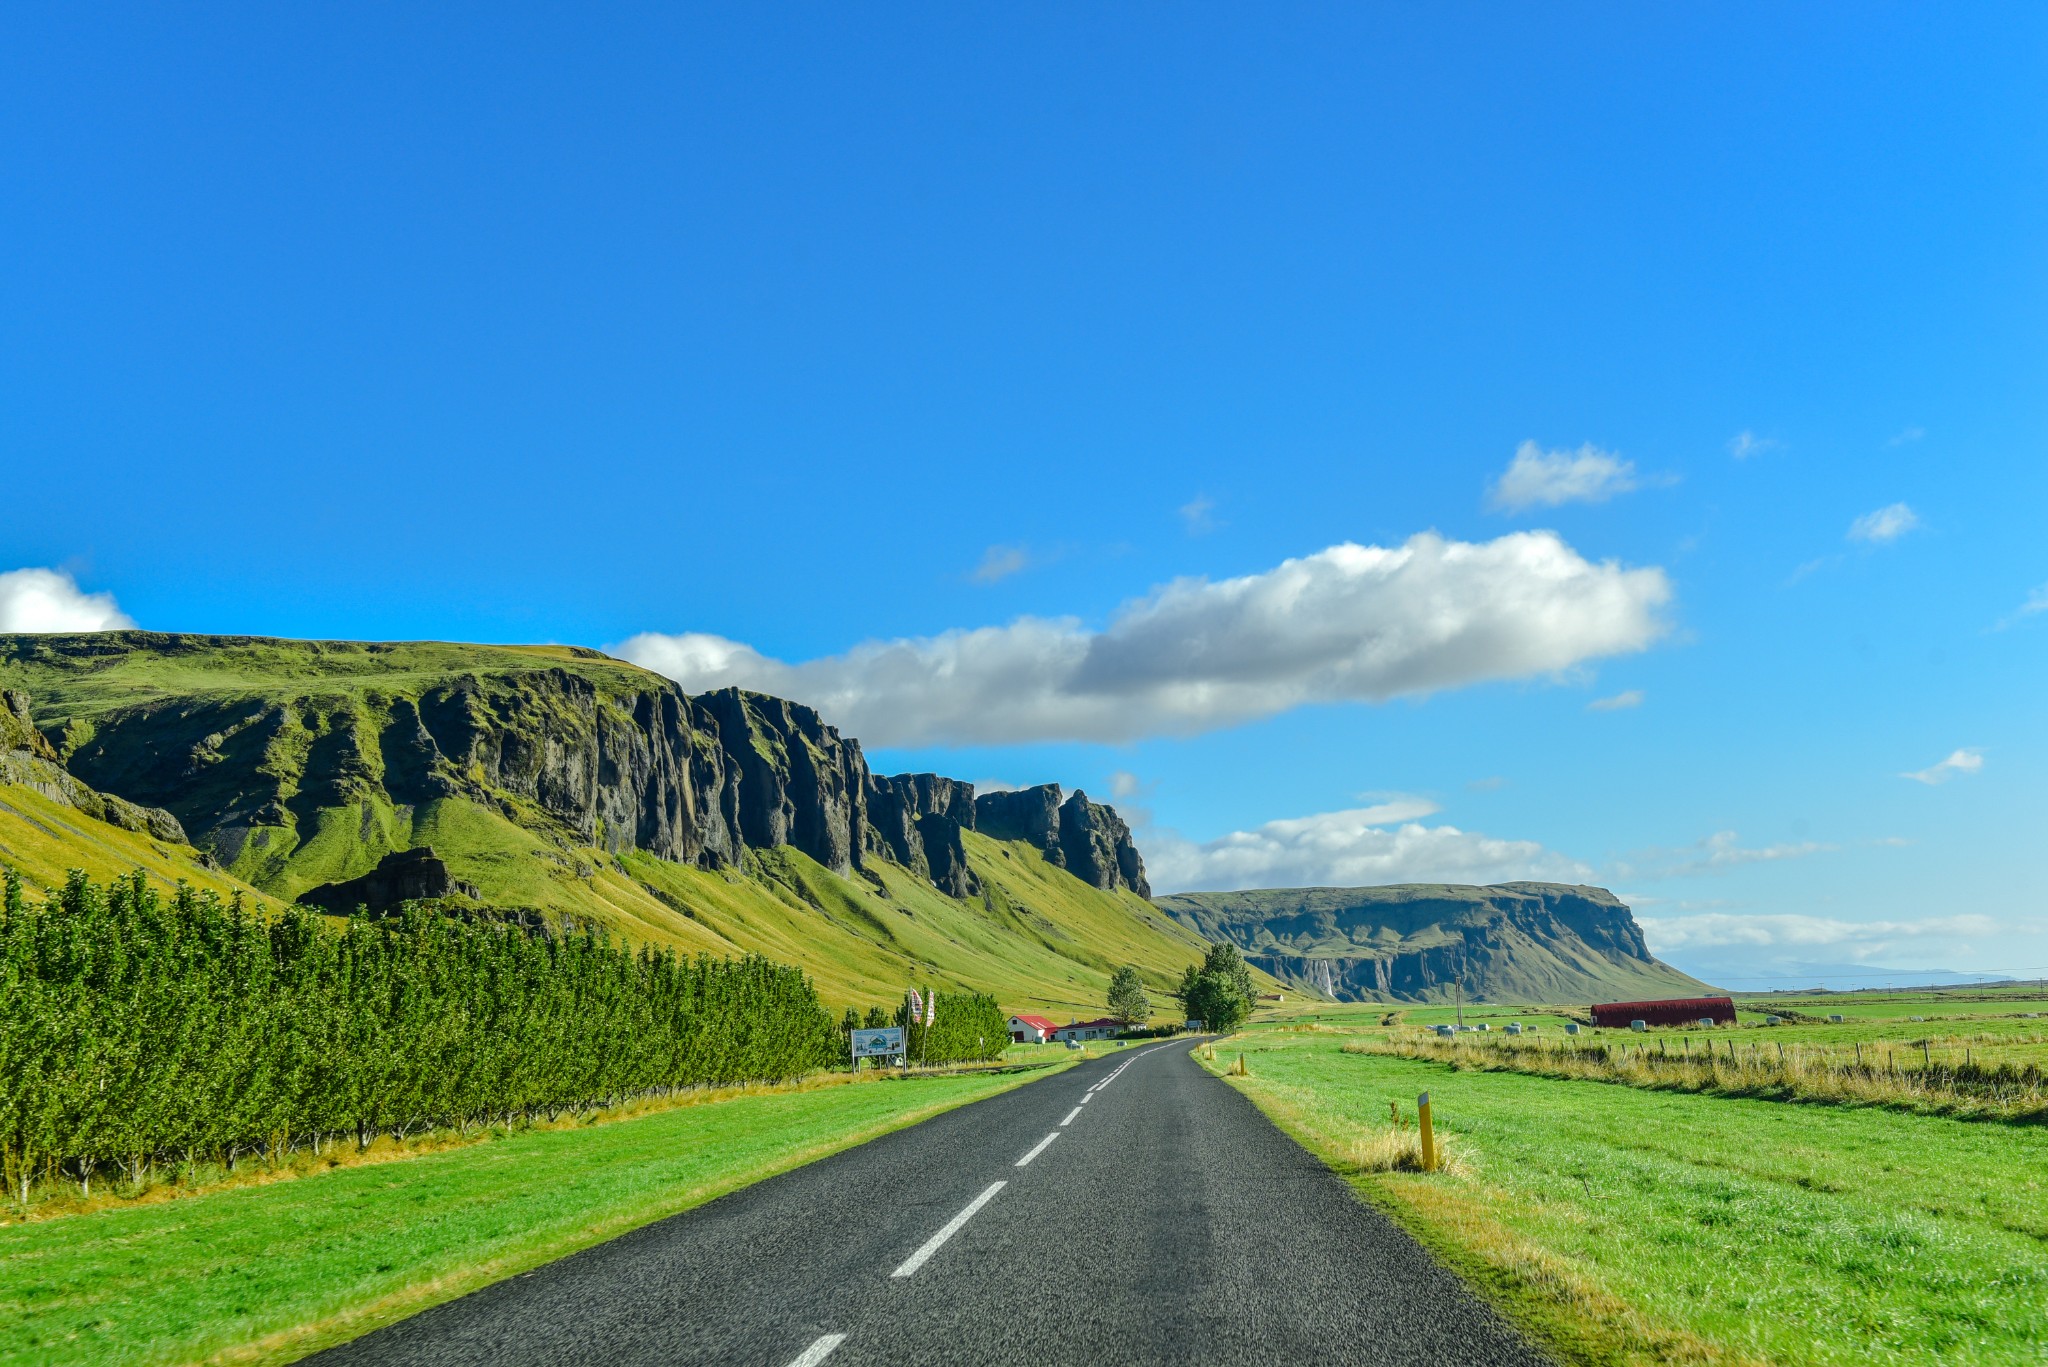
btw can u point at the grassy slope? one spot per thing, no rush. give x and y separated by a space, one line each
1039 938
270 1273
257 666
42 840
1640 1227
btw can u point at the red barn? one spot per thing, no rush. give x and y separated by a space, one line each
1677 1011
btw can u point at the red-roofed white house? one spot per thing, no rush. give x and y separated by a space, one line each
1031 1029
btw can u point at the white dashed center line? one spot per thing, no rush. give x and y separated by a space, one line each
817 1352
937 1241
1038 1148
1070 1117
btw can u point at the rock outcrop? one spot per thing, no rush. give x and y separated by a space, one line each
1087 839
402 876
917 820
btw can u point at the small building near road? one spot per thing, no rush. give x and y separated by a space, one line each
1677 1011
1030 1029
1102 1027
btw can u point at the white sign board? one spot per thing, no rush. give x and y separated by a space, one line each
878 1043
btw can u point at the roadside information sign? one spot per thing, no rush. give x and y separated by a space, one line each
878 1043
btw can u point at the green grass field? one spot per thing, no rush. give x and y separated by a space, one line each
1633 1226
272 1272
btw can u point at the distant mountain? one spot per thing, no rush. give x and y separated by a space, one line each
1417 942
560 783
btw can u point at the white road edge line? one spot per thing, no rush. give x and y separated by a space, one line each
937 1241
1038 1148
1070 1117
817 1352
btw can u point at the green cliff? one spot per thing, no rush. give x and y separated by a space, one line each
555 782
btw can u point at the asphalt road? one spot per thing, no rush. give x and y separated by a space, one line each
1131 1210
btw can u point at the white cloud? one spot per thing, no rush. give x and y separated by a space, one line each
1348 624
1125 784
1000 562
1384 843
1857 941
1718 853
1745 444
1958 763
50 600
2037 603
1620 702
1539 478
1911 434
1197 515
1492 783
1885 525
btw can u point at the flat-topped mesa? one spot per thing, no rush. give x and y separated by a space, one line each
1087 839
1547 942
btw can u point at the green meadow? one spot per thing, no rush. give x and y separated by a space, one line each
271 1272
1624 1225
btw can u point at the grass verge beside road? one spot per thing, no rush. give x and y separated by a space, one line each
1629 1226
271 1273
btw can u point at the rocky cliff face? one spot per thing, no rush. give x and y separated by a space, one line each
1087 839
296 739
27 758
1426 942
917 820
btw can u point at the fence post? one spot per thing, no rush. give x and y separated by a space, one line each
1428 1133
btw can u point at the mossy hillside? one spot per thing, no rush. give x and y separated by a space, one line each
43 840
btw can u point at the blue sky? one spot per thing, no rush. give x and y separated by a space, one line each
789 336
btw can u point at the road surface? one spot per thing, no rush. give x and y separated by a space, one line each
1131 1210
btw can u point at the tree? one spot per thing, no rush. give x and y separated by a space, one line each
1127 999
1223 959
1218 993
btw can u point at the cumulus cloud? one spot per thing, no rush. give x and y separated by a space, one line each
1885 525
1383 843
1958 763
1620 702
50 600
1717 853
1547 479
1857 941
1745 444
999 563
1347 624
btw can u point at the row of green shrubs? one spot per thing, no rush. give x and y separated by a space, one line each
137 1028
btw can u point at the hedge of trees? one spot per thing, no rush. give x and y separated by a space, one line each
969 1027
138 1029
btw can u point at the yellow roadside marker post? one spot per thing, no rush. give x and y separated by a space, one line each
1428 1133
